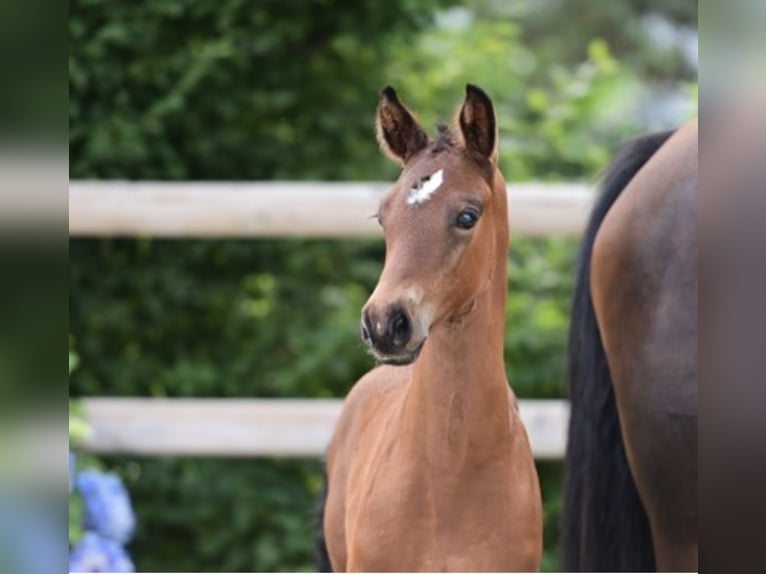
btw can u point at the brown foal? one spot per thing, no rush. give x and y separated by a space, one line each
430 467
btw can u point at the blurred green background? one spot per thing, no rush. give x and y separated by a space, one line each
235 90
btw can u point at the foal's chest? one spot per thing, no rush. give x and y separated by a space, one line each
406 524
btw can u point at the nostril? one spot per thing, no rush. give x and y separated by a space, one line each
399 328
365 327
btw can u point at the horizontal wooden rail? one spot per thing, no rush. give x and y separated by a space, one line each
258 427
286 209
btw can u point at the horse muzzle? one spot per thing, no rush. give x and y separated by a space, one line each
390 335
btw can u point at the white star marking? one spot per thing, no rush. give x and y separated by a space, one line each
425 188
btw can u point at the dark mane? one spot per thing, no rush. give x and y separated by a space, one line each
445 140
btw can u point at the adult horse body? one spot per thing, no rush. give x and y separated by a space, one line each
630 496
430 467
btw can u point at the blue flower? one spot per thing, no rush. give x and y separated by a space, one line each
72 462
95 553
107 506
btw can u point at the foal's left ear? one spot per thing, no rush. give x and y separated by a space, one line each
477 123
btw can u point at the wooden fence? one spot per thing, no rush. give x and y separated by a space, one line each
286 209
258 427
284 427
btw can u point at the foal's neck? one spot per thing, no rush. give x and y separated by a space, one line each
458 398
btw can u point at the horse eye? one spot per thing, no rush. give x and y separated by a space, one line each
467 218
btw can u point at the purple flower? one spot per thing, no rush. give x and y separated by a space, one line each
95 553
107 506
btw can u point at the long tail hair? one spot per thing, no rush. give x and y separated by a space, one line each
320 548
604 524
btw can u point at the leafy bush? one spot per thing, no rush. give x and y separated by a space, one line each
174 89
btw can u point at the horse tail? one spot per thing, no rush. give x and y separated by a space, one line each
320 549
604 524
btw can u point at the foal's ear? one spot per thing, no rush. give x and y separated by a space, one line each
399 133
477 123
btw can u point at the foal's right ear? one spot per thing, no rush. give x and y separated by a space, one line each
399 133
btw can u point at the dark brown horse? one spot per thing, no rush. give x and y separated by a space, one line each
631 475
430 468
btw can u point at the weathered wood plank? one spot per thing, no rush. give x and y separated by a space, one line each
258 427
286 209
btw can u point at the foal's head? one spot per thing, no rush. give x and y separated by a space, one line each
445 223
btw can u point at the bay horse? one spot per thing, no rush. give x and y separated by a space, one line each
430 467
630 492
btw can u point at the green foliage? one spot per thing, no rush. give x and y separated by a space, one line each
540 281
559 123
551 474
222 515
560 30
175 89
78 431
229 318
